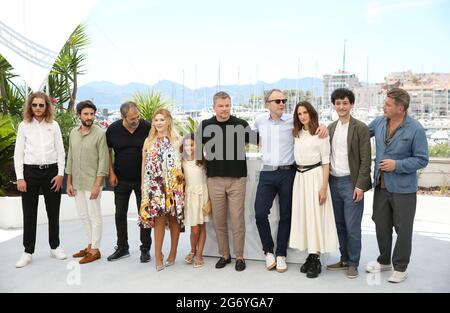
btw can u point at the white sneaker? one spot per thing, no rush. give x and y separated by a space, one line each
58 254
24 260
270 261
281 264
398 277
375 267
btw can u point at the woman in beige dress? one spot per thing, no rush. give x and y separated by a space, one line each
312 226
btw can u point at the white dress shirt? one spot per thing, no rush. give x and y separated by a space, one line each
39 143
339 153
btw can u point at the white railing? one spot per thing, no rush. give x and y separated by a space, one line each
436 174
11 208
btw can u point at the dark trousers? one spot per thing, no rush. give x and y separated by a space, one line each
122 193
348 216
270 184
37 179
394 210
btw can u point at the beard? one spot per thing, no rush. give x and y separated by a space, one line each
133 125
87 123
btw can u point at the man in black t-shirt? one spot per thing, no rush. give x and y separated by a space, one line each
126 138
224 137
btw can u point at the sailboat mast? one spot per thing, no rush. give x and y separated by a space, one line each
369 105
297 93
194 101
343 60
218 79
182 96
239 86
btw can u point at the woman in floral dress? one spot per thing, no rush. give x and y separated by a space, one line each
162 186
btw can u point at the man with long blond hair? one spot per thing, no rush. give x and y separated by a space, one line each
39 161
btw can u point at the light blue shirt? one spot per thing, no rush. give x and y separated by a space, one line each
409 149
277 140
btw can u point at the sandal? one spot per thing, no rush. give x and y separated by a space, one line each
160 267
198 262
189 258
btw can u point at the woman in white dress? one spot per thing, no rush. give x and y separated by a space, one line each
312 226
197 205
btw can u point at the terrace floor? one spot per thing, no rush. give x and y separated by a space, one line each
429 270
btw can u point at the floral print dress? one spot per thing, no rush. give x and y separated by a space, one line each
163 185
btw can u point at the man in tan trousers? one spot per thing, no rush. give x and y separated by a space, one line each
224 137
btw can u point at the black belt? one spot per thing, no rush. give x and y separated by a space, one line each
276 168
305 168
41 167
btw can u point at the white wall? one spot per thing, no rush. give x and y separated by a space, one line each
11 210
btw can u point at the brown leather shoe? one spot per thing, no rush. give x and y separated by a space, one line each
90 257
81 254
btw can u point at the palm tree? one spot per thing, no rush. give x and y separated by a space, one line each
7 143
62 85
149 102
190 126
11 96
63 79
5 68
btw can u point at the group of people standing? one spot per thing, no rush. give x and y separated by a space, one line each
320 175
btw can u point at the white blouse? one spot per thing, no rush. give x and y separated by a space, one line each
310 150
39 143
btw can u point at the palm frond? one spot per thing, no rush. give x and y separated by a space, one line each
149 102
187 127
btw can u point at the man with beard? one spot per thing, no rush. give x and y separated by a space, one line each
87 165
401 150
125 140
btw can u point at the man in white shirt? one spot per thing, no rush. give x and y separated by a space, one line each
39 160
276 177
349 179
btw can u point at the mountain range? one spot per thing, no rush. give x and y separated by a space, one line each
109 95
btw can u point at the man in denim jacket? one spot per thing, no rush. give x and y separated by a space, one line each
401 150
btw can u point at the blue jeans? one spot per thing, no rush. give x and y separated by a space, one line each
348 216
270 184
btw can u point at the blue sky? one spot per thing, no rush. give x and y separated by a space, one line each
148 40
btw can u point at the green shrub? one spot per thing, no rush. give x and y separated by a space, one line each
441 150
7 144
67 120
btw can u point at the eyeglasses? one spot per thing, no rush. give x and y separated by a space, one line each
35 105
278 101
